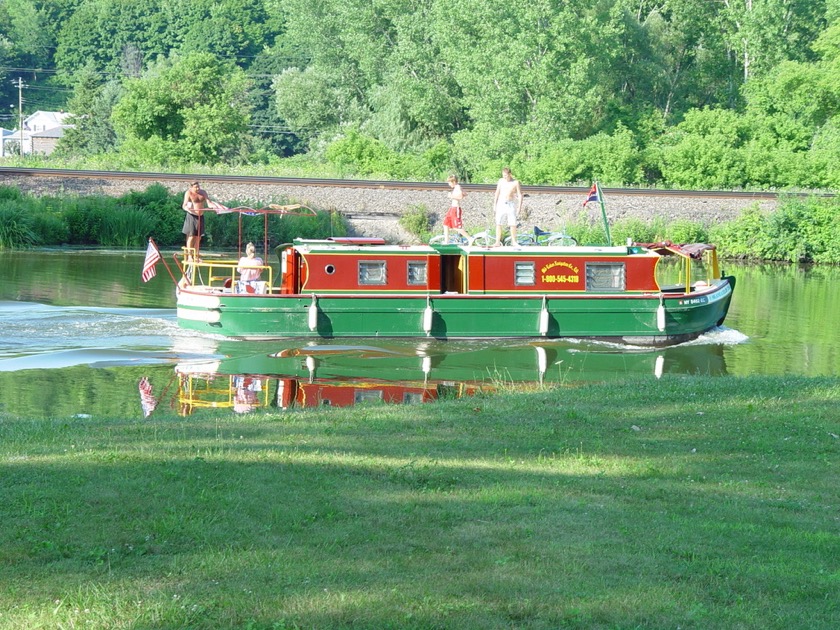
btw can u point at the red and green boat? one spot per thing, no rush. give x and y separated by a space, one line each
364 287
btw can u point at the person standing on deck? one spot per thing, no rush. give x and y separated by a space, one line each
508 204
454 217
194 204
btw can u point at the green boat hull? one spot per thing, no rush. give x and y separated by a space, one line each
630 318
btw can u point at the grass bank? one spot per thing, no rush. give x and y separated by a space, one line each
688 502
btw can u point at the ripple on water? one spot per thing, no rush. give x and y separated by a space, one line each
37 336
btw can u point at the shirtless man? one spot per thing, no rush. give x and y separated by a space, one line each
195 202
508 204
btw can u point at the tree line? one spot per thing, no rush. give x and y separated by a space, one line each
673 93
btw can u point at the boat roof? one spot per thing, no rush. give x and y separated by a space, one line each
272 208
690 250
378 245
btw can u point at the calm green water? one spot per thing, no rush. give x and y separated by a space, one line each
81 332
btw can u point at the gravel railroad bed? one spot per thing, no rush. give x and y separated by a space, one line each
375 212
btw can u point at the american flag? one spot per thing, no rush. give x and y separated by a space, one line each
594 194
152 258
147 400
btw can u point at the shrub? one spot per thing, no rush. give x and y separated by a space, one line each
363 155
50 229
10 193
324 224
822 229
785 239
635 229
683 231
15 226
163 207
588 232
743 237
417 220
127 227
85 217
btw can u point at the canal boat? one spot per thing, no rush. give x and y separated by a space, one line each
364 287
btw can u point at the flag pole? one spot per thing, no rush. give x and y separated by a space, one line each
163 260
604 213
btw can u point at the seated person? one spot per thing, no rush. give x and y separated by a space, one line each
249 268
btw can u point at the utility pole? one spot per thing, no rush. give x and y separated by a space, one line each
20 87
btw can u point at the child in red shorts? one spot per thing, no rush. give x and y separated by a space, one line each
454 218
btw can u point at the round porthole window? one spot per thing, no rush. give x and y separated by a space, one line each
330 269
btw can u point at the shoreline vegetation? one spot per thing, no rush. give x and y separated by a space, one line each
799 230
684 502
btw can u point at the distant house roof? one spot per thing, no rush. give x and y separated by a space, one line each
56 132
41 121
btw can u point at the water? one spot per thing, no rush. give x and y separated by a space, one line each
84 336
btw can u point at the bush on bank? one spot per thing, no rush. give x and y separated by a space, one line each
127 221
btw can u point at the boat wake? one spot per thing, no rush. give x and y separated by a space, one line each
39 336
719 335
92 357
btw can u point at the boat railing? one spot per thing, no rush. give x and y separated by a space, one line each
209 391
222 275
696 262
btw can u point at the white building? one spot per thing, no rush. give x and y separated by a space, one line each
41 132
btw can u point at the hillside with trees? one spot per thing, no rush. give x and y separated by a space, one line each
671 93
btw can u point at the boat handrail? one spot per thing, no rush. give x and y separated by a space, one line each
702 252
225 273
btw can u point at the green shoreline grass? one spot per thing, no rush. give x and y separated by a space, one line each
681 503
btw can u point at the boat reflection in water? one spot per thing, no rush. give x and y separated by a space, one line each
291 375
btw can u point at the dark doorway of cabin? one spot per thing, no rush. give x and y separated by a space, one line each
452 274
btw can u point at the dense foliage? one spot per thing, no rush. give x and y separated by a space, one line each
669 92
127 221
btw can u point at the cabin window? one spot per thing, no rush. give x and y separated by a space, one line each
524 274
361 396
417 272
605 277
372 272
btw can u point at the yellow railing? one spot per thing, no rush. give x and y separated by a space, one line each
689 268
205 391
221 273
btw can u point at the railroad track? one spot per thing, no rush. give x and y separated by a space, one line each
381 185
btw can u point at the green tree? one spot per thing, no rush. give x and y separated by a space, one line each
669 58
194 106
705 150
230 29
763 33
91 106
24 45
27 31
118 36
271 131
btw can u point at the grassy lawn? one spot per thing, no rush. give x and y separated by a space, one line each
682 503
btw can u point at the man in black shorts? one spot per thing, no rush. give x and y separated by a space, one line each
195 202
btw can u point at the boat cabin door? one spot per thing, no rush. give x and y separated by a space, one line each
452 276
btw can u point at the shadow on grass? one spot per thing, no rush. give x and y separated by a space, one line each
702 503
